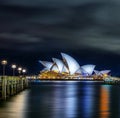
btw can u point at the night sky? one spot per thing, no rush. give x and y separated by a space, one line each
88 30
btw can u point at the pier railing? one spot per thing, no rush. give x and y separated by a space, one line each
11 85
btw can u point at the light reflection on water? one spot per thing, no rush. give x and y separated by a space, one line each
71 101
104 102
88 100
64 100
15 107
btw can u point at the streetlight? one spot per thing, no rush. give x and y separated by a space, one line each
24 71
13 67
19 70
4 63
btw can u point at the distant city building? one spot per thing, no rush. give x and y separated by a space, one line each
69 68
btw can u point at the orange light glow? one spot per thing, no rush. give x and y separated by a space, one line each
104 103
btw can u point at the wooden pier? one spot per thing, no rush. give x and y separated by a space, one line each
11 85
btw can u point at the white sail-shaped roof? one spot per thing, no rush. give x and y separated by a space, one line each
96 72
88 69
59 64
47 64
72 64
104 71
55 68
84 72
65 69
78 71
101 72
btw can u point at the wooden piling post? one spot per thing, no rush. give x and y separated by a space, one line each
26 82
22 83
12 86
0 87
4 87
7 86
15 85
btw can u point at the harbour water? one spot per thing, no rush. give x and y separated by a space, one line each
64 100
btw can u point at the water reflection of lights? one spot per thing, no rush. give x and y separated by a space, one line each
104 102
71 101
65 102
16 107
58 104
88 100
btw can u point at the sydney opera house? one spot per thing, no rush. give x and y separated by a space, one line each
69 68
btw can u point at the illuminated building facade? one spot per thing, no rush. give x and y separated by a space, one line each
69 68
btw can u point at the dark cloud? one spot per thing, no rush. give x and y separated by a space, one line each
48 3
85 24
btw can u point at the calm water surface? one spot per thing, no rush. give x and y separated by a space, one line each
64 100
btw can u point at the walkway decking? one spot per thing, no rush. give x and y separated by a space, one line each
10 86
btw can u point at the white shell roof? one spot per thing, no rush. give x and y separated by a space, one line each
55 68
65 69
59 64
101 72
78 71
47 64
96 72
71 62
104 71
88 69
